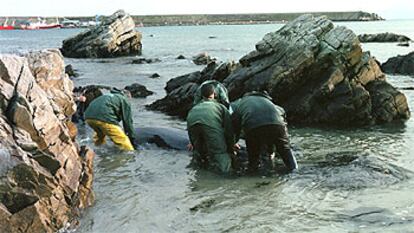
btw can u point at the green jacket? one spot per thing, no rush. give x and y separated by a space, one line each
220 90
112 108
255 110
216 117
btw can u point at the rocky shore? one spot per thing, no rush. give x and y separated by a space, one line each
316 71
45 176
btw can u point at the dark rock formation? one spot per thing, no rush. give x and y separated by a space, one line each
145 60
317 72
399 65
72 73
382 37
115 37
203 59
155 75
180 57
138 91
45 176
181 90
404 44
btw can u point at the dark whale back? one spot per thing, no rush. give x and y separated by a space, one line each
169 138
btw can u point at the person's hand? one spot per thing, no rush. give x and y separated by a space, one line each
190 147
81 98
236 147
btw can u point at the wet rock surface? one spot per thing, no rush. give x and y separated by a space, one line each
114 37
72 73
383 37
203 59
400 65
45 176
145 60
138 91
181 90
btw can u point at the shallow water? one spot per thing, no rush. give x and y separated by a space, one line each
355 180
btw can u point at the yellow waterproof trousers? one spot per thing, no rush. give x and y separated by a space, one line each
114 132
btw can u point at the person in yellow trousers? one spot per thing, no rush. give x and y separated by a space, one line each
103 116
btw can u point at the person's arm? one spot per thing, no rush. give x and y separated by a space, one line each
127 119
228 129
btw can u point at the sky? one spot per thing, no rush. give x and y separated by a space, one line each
389 9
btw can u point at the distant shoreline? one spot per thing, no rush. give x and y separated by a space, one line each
221 19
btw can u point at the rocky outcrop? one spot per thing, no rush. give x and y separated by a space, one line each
114 37
317 72
203 59
138 91
45 177
383 37
399 65
72 73
145 60
181 90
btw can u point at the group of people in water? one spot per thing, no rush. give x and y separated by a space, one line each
214 127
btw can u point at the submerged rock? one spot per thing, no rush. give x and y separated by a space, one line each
180 57
400 65
46 177
145 60
155 75
138 91
319 74
203 59
404 44
114 37
383 37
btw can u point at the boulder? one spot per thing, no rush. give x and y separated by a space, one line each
399 65
203 59
181 90
319 74
114 37
45 176
180 57
383 37
138 91
154 75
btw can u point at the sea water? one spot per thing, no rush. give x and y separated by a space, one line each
350 180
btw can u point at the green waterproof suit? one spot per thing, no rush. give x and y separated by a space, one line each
210 131
112 108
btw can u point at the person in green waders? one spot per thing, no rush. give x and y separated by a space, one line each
104 114
264 127
210 131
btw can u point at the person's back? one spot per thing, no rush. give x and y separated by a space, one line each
210 132
257 110
104 114
264 126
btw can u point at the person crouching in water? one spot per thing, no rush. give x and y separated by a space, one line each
210 131
264 127
104 114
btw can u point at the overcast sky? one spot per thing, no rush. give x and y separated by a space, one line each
390 9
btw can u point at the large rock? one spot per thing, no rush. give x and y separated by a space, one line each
44 176
114 37
399 65
316 71
383 37
319 74
181 90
